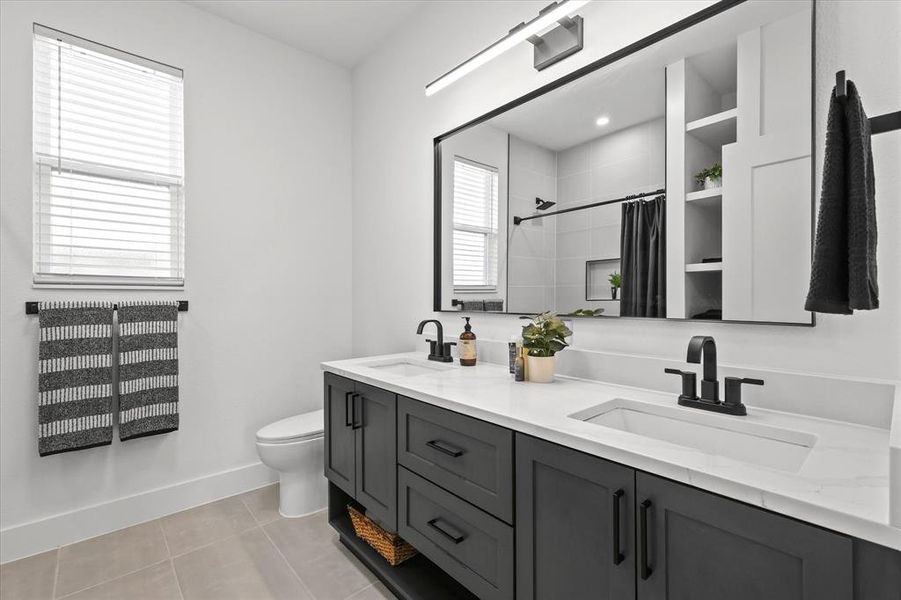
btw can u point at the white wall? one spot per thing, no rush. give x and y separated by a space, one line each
394 124
268 197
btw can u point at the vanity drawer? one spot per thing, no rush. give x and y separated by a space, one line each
471 546
471 458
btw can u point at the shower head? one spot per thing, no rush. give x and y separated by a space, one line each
543 204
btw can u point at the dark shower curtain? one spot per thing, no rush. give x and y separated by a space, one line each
643 256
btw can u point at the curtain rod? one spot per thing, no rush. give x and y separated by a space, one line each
660 192
31 308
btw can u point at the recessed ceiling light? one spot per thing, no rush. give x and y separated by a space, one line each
602 121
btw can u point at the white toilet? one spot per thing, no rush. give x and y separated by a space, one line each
294 448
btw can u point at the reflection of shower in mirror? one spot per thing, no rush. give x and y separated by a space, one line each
543 204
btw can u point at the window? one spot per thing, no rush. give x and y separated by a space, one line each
108 166
475 226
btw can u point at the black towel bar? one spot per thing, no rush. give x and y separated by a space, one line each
31 308
878 124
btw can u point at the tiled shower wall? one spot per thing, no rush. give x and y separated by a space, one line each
531 246
625 162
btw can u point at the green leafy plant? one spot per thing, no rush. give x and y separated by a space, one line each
616 279
587 312
715 173
545 335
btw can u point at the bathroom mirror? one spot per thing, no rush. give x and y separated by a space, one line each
670 180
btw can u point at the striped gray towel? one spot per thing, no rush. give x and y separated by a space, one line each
75 376
148 368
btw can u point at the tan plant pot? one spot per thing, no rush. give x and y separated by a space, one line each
541 368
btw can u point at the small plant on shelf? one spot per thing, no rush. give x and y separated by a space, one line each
711 177
616 282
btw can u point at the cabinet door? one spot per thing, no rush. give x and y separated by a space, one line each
700 546
569 508
339 433
375 420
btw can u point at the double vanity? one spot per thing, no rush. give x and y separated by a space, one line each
585 489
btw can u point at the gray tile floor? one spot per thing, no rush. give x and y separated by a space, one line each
237 548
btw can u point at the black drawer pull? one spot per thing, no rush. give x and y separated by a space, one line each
347 421
645 569
618 556
447 531
445 448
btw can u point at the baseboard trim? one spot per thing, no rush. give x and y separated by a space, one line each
27 539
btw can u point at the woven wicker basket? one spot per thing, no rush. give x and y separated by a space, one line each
389 545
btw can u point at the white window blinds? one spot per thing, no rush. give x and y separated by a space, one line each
108 165
475 226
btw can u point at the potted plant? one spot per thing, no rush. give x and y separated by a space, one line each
616 282
543 338
711 177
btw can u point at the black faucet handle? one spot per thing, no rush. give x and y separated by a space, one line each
447 349
689 383
733 389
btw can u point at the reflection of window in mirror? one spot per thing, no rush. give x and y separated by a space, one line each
475 226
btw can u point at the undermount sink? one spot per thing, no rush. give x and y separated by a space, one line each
407 367
718 435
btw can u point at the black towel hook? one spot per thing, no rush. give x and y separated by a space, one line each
878 124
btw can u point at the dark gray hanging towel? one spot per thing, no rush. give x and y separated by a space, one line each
843 275
643 258
148 368
75 376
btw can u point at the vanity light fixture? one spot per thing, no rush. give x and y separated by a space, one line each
602 120
555 45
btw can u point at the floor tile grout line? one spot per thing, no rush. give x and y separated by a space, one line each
358 592
56 570
303 583
181 594
171 562
105 581
216 541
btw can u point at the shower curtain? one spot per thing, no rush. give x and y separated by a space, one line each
643 256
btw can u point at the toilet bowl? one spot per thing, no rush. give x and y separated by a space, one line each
294 448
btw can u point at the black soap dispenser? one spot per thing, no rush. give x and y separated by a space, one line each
467 346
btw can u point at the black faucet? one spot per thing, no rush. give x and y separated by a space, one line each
703 346
438 350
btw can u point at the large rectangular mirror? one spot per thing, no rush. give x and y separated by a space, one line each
674 182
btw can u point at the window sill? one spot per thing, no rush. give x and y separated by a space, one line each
107 286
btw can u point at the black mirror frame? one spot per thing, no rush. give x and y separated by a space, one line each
650 40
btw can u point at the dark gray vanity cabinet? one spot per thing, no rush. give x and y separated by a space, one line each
360 448
698 546
340 457
575 527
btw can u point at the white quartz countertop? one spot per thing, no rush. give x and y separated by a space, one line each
842 485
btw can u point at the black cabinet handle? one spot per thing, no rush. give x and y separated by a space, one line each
347 410
617 554
645 570
449 532
445 448
353 410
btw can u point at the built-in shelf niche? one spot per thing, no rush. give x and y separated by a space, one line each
597 279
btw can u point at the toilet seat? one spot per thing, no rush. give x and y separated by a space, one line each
298 428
